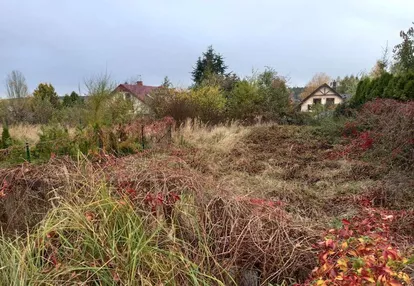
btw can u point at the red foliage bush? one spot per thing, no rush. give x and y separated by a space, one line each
383 129
361 253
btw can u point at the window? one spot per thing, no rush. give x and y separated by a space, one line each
309 107
317 101
330 102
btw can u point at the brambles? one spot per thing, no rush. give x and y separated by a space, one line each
224 204
383 131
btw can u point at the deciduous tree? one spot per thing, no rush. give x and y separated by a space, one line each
274 92
17 108
316 81
16 85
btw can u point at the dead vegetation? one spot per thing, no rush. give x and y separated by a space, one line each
230 199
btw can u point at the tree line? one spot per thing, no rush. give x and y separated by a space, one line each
216 93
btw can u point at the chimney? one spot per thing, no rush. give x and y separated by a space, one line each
140 83
334 85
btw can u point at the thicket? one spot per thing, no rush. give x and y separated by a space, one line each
218 99
382 131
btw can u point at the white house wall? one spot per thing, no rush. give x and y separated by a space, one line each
138 105
318 95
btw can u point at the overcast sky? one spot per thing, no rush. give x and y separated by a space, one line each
63 42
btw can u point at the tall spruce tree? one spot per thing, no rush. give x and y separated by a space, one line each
210 64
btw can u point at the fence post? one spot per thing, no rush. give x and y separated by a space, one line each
28 152
169 134
142 137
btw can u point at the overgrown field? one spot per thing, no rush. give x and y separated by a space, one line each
224 205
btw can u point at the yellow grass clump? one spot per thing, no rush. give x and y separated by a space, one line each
25 132
222 137
28 132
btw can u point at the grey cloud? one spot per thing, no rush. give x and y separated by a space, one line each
63 42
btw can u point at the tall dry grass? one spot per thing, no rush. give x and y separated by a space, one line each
29 132
222 137
25 132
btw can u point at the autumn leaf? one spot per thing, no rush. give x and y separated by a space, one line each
342 263
369 279
329 243
394 282
404 276
321 282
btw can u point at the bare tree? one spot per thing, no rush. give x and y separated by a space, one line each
99 85
16 85
99 89
17 91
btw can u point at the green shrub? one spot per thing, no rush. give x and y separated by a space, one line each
244 101
73 116
208 101
42 109
6 140
330 128
109 109
54 139
172 102
274 93
130 146
84 140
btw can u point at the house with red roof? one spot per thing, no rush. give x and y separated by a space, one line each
138 93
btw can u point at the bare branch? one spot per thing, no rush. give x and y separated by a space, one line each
16 85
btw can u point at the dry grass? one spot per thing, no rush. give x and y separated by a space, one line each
286 163
25 133
29 132
221 138
252 200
